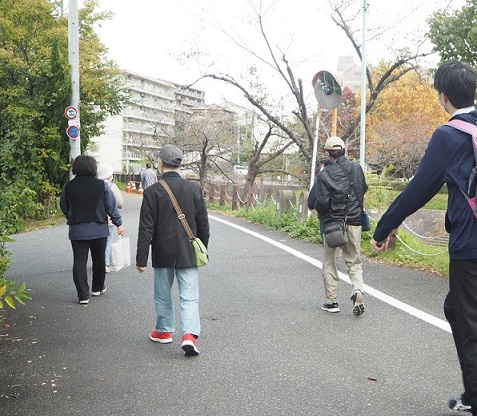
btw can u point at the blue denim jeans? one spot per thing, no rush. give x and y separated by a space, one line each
188 282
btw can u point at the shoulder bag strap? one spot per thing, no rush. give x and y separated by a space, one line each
180 215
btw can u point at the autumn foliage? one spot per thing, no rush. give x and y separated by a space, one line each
401 123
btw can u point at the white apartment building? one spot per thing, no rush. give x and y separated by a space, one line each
145 124
349 74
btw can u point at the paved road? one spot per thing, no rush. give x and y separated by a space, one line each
266 347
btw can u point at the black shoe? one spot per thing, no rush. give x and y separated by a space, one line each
460 403
330 307
358 302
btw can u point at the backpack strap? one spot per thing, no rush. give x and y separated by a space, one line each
471 129
468 128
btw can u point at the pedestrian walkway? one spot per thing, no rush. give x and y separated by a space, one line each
266 346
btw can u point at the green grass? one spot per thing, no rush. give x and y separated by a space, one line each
412 252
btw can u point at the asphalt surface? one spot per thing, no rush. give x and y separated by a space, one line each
266 346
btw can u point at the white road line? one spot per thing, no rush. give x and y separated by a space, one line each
424 316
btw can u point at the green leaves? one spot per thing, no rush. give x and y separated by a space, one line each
11 295
455 34
35 89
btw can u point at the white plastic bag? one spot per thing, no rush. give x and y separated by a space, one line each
120 254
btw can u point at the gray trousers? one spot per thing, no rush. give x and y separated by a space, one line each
351 256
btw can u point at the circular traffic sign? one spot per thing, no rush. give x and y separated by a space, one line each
71 112
72 132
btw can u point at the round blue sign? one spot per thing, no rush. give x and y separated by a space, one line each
72 132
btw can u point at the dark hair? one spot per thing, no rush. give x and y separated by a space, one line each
85 165
148 166
457 80
335 154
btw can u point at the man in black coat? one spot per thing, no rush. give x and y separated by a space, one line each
339 194
172 251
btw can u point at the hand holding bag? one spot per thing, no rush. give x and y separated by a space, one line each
120 254
200 251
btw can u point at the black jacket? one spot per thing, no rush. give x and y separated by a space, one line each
329 196
160 227
83 200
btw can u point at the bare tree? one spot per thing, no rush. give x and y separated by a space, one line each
296 125
206 136
345 17
260 158
276 60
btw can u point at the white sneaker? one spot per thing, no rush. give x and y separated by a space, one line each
100 292
84 301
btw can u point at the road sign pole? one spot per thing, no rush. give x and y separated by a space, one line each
73 59
315 149
334 123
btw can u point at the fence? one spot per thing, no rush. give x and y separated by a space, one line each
284 199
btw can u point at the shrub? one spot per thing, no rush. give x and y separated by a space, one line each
10 293
266 214
17 205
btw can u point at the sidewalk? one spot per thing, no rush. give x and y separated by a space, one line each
266 347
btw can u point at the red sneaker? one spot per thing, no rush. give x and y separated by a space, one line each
189 344
161 337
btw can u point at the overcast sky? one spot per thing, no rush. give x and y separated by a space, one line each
147 36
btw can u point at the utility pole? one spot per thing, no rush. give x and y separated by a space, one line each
73 60
362 138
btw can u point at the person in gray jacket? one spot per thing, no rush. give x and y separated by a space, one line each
338 194
172 252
